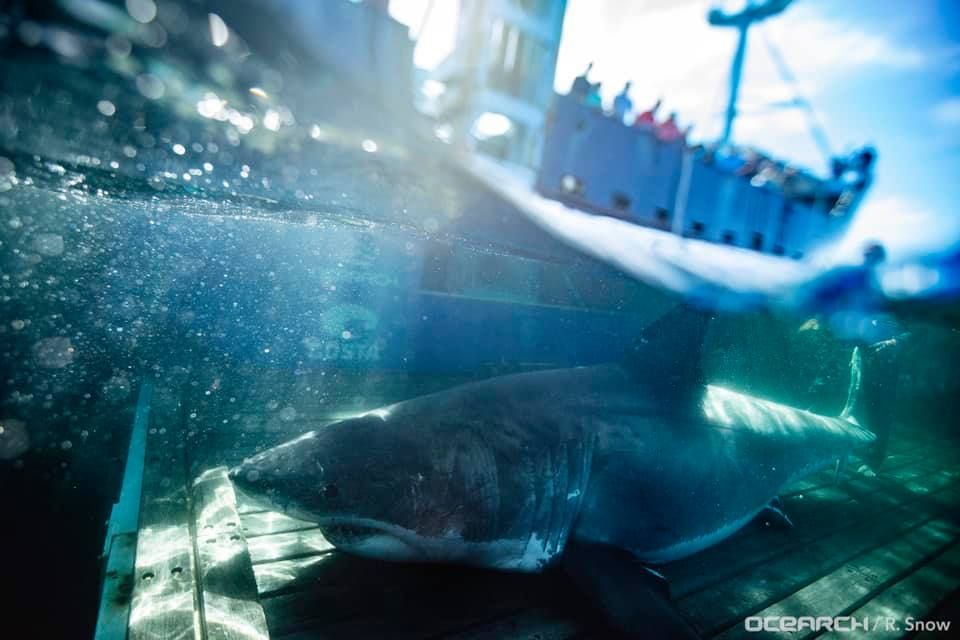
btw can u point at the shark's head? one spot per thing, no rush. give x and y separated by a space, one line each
367 481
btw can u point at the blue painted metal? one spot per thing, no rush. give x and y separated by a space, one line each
119 547
627 172
125 515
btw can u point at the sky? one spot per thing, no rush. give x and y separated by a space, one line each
883 72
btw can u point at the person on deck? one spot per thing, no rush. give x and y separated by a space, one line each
649 117
581 84
668 131
593 98
622 104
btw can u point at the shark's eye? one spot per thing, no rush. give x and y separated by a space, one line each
330 491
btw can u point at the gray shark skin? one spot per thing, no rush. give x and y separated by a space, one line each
502 473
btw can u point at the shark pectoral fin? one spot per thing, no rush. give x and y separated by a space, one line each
632 598
774 515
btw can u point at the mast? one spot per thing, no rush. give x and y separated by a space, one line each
755 11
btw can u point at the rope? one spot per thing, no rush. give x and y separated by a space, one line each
817 130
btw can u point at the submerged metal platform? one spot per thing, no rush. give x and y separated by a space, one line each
210 564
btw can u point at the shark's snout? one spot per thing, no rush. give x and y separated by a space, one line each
245 476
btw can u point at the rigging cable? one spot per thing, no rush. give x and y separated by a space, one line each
813 120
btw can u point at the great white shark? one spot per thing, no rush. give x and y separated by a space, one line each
642 455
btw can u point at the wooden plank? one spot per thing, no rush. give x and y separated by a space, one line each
923 486
816 514
426 602
274 578
539 624
230 604
841 589
902 454
913 597
721 606
948 609
165 599
283 546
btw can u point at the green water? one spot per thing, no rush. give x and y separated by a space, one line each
132 190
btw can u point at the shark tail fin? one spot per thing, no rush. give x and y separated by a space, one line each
874 371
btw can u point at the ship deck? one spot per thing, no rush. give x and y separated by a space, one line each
211 564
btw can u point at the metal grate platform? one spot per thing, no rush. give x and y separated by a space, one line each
210 564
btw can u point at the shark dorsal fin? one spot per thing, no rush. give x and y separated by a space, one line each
667 355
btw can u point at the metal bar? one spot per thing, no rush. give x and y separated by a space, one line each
120 542
736 72
126 513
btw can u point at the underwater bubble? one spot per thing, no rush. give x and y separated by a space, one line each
288 414
106 107
30 33
117 387
14 439
54 353
66 445
271 120
179 149
17 324
150 86
119 46
48 244
143 11
219 33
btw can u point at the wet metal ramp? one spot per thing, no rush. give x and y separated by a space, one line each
210 564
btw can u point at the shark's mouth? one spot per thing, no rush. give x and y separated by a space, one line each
343 535
374 538
371 537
